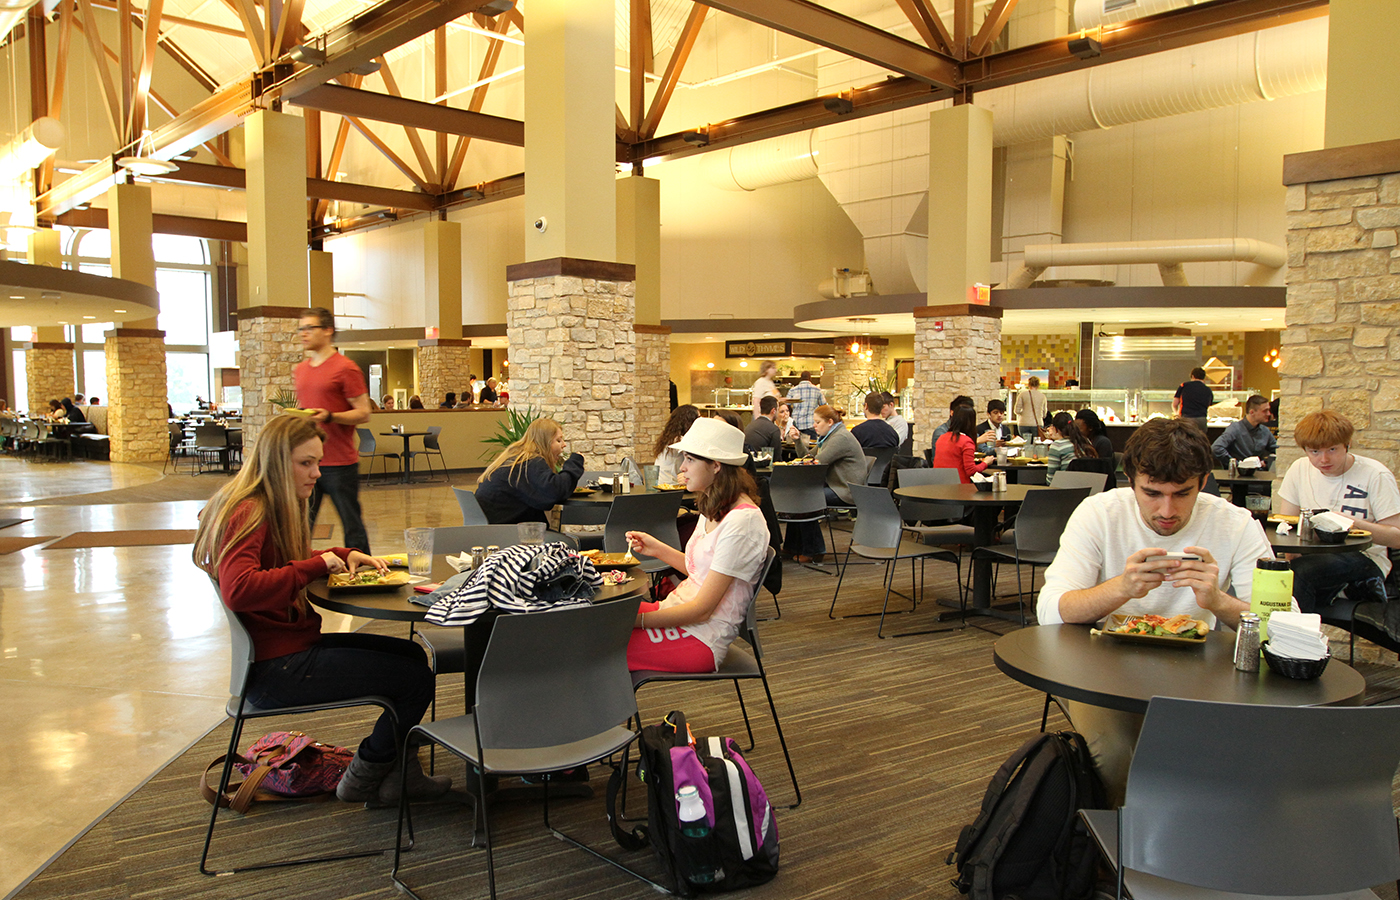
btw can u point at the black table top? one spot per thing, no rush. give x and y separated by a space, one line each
1223 476
1066 660
1289 543
607 497
967 494
395 605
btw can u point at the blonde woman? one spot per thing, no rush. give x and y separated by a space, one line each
254 540
530 476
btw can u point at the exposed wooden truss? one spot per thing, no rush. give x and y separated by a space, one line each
672 76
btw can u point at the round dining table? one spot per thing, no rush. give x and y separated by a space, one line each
1290 543
1072 662
1239 484
406 460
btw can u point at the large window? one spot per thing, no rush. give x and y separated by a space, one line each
186 377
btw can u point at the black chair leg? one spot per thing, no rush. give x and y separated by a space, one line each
748 726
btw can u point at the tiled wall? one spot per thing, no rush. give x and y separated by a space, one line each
1228 347
1057 352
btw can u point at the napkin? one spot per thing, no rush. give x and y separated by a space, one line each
1330 521
1251 462
1297 635
1284 528
460 563
978 476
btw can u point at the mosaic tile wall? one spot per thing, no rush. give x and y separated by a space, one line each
1057 352
1229 348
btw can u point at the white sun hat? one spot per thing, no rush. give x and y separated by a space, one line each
712 439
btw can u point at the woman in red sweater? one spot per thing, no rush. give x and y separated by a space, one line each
957 447
254 540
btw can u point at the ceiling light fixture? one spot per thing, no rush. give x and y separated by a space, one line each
839 105
28 149
141 164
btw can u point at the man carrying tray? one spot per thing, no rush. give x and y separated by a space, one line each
1121 553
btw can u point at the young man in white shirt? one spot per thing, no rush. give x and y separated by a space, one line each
1334 478
1113 558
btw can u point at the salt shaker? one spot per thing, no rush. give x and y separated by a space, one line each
1234 467
999 481
1247 643
478 556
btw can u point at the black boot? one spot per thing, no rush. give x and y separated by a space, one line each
361 780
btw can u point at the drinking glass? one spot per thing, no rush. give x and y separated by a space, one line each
419 543
530 532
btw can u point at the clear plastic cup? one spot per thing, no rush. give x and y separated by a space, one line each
530 532
419 543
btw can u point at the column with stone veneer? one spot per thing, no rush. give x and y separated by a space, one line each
851 371
137 395
48 369
569 324
443 365
957 350
653 395
268 350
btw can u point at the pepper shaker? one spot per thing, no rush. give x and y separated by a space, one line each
1247 643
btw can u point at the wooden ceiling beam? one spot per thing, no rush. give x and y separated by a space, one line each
414 139
150 36
929 24
104 74
289 27
672 76
992 26
638 41
394 110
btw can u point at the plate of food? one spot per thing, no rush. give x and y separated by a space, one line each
1182 630
584 492
368 580
670 487
603 560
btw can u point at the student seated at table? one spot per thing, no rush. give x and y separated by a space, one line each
787 429
530 476
1332 477
71 412
875 433
254 540
762 431
691 630
955 448
1097 433
1246 437
1112 559
1067 442
668 460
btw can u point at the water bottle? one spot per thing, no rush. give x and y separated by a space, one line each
695 825
1272 591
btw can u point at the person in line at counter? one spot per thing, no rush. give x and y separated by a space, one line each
530 476
1067 442
1030 409
668 460
993 430
1112 559
762 432
956 448
1247 437
1194 398
488 392
808 397
893 418
953 406
1097 433
1334 478
764 386
875 433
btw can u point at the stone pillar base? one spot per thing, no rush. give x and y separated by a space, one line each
48 367
443 365
957 350
137 395
268 350
573 351
653 396
852 371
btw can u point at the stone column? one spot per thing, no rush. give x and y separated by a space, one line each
851 371
48 367
136 380
957 350
653 394
443 365
572 351
268 350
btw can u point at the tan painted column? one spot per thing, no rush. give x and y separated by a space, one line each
1362 72
135 351
570 131
320 273
959 202
48 359
639 241
277 267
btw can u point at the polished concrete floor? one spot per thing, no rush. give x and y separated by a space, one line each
114 659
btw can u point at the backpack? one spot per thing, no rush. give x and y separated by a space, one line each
283 765
1028 840
741 847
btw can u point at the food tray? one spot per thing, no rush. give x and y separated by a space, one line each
584 492
1118 619
375 588
612 561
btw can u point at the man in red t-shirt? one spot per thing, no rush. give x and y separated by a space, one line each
334 389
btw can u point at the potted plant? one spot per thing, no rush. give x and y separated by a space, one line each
510 428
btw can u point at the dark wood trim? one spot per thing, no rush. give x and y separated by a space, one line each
642 328
272 312
444 342
957 309
136 333
863 338
1336 163
1164 331
46 345
574 268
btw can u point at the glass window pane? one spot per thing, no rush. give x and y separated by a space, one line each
96 244
184 306
21 333
186 377
96 334
20 400
96 269
95 374
175 248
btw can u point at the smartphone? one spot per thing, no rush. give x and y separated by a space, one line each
1182 555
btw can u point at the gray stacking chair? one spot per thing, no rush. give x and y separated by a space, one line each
1225 799
879 464
553 694
878 535
653 513
799 496
472 513
369 447
1039 525
430 449
1074 478
240 709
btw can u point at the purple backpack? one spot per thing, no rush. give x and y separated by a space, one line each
734 845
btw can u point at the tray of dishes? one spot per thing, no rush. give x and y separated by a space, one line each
1181 631
603 560
368 580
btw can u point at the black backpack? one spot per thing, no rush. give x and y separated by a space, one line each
1028 841
741 847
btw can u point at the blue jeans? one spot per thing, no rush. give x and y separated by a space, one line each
352 665
1319 577
342 485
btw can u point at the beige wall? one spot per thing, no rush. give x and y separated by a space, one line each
1363 70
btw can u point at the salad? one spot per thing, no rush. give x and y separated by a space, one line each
1182 626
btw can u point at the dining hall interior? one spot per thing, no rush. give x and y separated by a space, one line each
945 197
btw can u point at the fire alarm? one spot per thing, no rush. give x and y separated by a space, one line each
937 326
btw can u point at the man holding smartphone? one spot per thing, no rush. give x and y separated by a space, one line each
1159 546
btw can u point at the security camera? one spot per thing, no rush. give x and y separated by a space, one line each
541 224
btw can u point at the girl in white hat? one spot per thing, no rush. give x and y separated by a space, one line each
691 630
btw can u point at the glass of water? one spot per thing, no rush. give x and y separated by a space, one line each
530 532
419 543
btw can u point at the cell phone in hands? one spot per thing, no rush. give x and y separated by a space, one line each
1182 555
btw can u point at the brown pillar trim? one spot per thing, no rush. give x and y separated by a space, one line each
444 342
46 345
577 268
957 309
136 332
1336 163
642 328
272 312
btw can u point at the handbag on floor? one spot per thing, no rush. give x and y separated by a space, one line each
283 765
709 819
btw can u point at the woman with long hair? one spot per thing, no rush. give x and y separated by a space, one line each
1096 431
956 448
668 461
530 476
691 630
254 540
1067 442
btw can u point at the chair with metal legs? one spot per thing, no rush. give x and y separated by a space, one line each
1039 525
369 447
472 514
653 513
240 709
799 498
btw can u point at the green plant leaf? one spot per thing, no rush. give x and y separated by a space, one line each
284 399
510 429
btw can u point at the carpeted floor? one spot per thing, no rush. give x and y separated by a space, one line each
893 740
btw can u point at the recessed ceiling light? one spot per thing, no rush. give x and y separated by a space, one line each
89 317
16 296
119 310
